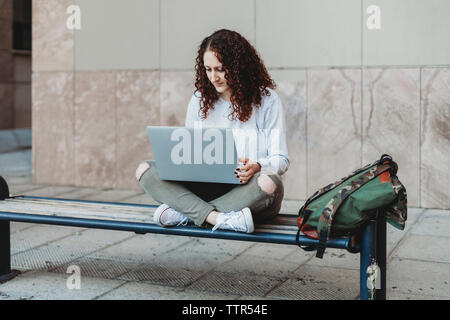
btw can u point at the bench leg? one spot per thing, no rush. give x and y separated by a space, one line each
5 253
381 245
373 247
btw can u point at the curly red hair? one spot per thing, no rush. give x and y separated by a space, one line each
245 73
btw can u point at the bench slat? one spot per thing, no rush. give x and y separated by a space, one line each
282 224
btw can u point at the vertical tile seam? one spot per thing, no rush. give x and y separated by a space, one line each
115 131
306 133
159 34
362 83
419 138
254 22
74 76
159 62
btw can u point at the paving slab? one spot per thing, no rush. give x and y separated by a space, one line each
19 180
48 191
15 227
99 267
15 139
16 163
391 295
323 283
38 235
54 254
216 246
258 266
23 189
418 278
111 195
298 255
142 248
336 258
175 269
433 223
8 141
276 251
141 198
235 283
39 285
425 248
79 193
394 235
23 137
147 291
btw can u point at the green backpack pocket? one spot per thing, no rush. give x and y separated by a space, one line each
343 207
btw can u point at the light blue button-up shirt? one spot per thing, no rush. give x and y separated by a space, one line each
262 138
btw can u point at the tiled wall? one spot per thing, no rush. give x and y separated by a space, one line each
6 66
348 95
15 75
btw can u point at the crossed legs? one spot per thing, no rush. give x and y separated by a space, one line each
262 194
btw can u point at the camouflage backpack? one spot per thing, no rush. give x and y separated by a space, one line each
343 207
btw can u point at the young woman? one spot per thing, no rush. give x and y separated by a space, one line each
233 90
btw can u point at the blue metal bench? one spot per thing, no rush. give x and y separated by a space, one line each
370 244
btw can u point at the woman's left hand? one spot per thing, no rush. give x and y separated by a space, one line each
247 170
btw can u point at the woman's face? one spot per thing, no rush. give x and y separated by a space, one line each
216 74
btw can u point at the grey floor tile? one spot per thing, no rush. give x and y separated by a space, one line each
39 285
146 291
323 283
427 248
235 283
418 277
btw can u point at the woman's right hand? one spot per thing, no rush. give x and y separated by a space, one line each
247 170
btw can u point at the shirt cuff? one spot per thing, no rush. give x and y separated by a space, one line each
264 163
278 164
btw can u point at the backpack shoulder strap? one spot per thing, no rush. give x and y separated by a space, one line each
333 185
326 217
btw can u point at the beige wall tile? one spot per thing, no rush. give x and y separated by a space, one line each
197 19
137 107
291 87
52 41
52 129
6 105
6 26
22 68
412 32
333 125
95 129
118 35
177 88
22 105
6 66
5 34
298 33
6 9
391 121
435 138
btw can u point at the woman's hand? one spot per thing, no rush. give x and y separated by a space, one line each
247 170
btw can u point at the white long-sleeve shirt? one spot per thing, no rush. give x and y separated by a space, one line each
262 138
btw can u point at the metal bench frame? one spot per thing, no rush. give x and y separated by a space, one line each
370 244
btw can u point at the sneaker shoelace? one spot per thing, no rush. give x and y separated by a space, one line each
183 222
228 221
174 215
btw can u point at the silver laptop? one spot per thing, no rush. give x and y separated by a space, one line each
194 154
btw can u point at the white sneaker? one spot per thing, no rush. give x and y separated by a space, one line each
240 221
166 216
